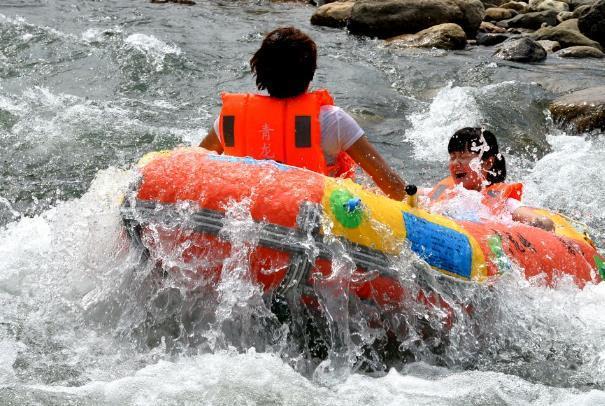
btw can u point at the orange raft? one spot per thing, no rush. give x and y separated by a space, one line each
178 209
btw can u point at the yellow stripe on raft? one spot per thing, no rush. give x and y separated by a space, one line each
382 227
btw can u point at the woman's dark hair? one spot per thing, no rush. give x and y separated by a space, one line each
484 143
285 63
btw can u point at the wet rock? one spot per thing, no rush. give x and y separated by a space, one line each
334 14
442 36
388 18
546 5
489 27
571 24
592 24
185 2
518 6
565 37
580 11
521 50
549 46
584 110
580 52
497 14
531 20
491 39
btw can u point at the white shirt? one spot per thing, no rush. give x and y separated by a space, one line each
338 131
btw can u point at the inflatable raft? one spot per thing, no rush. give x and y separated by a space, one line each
181 197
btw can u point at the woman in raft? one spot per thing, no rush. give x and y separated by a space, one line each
476 164
294 125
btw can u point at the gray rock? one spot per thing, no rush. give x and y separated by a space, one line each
592 24
565 37
497 14
334 14
388 18
549 46
521 50
531 20
583 110
491 39
580 52
442 36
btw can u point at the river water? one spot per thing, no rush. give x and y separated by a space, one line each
86 88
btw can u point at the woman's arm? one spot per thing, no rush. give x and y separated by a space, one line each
379 170
526 215
211 142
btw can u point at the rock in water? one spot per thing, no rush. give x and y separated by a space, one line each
389 18
443 36
592 23
580 52
497 14
333 14
584 110
521 50
491 39
565 37
550 46
531 20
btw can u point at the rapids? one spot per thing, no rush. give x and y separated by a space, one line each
86 88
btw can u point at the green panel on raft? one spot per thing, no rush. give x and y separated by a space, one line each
600 266
338 202
499 257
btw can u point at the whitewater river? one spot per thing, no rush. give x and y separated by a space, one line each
87 87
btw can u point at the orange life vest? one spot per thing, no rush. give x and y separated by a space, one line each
494 195
284 130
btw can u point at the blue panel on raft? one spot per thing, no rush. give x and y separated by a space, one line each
249 161
440 246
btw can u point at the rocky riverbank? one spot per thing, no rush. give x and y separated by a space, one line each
519 31
573 28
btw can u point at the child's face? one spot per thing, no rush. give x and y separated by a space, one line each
468 168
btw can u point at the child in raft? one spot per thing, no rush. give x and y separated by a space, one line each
476 187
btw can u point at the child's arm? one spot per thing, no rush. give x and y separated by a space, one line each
524 214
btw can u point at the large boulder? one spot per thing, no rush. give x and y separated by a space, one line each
521 50
580 52
497 14
334 14
584 110
531 20
442 36
592 24
389 18
565 37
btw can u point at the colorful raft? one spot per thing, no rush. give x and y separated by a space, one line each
292 205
